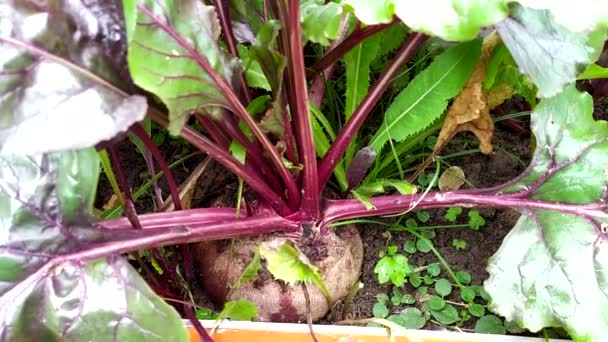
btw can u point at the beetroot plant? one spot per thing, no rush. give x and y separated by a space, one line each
231 79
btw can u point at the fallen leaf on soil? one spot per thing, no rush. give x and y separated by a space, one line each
451 179
111 203
470 110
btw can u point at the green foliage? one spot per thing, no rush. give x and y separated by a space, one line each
424 245
423 216
475 220
239 310
320 20
426 96
443 287
410 247
433 269
452 214
463 277
394 268
436 303
238 151
467 294
593 71
476 310
490 324
548 52
156 59
565 247
576 16
451 20
205 313
286 263
271 62
380 310
447 315
459 244
67 100
48 198
357 63
253 71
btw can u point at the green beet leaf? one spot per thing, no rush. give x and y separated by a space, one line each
57 87
50 289
549 53
173 50
552 268
456 20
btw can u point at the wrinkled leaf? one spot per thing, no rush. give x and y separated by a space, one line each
457 20
48 100
425 98
550 54
239 310
551 269
46 296
394 268
292 266
470 111
451 179
581 15
410 318
253 71
168 41
320 20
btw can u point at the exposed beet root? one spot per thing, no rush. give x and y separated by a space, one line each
338 255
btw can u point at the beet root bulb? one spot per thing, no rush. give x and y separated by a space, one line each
338 255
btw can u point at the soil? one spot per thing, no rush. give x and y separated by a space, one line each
481 171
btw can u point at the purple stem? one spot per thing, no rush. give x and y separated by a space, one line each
158 195
290 16
173 219
223 11
129 207
337 210
351 128
236 105
213 130
317 88
151 146
333 55
254 153
289 137
249 176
